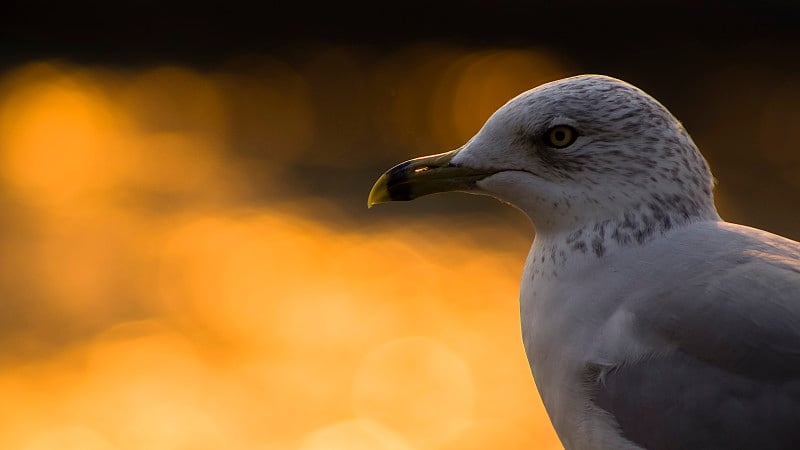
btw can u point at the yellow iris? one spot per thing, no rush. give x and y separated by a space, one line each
561 136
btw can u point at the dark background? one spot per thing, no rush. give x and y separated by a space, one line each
649 36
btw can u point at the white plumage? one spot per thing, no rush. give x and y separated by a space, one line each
648 321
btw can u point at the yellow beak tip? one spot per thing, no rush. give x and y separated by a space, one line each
376 200
379 192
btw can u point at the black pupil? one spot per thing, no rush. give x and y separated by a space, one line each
559 135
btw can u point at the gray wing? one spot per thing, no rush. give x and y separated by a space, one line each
731 376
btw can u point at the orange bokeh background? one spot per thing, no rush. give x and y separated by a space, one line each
188 262
157 299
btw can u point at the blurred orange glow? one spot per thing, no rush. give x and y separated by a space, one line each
57 138
478 84
450 92
355 435
155 307
417 386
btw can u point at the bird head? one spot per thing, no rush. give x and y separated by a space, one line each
583 149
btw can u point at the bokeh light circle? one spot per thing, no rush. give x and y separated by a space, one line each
417 386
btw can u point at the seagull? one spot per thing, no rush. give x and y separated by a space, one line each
647 320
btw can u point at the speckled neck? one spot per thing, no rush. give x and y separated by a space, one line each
598 239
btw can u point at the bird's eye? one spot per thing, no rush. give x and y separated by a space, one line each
561 136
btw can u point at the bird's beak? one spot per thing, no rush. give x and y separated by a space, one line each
423 176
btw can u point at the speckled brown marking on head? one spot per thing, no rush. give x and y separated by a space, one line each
574 236
579 246
598 247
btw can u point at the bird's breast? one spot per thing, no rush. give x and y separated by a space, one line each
565 325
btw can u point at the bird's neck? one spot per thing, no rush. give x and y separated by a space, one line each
637 226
